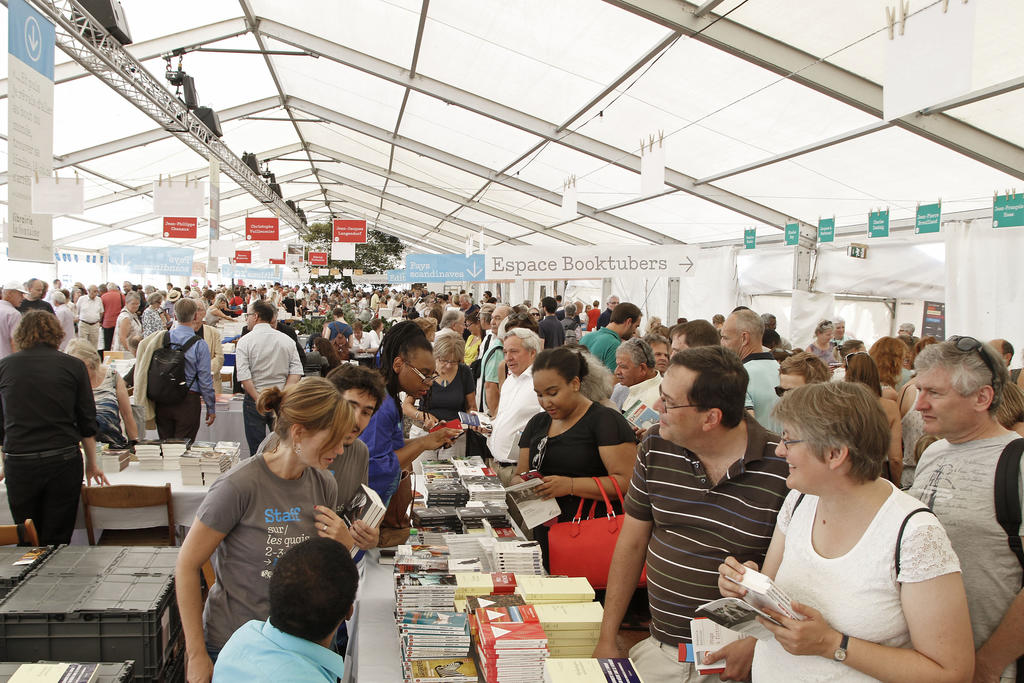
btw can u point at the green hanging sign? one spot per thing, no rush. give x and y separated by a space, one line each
1008 211
792 234
929 218
827 229
750 238
878 223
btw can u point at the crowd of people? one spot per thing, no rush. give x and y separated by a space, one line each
862 478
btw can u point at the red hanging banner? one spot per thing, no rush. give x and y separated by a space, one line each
262 229
243 256
349 231
278 261
318 258
181 227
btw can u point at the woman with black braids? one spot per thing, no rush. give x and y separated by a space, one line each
407 361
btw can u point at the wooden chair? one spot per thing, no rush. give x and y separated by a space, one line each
19 534
129 497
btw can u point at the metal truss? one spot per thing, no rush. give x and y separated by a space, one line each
83 39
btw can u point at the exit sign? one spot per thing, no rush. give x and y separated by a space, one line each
857 250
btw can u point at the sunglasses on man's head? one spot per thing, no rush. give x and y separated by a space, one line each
969 345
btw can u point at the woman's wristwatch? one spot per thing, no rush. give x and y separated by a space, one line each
840 654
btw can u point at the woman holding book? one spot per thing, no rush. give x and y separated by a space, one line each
258 510
573 441
869 570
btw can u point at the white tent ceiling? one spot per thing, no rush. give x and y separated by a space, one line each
436 119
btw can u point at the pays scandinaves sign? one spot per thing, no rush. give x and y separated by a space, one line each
599 261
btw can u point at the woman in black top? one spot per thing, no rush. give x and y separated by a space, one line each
573 440
453 390
46 411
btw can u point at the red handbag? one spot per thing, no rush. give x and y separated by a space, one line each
584 547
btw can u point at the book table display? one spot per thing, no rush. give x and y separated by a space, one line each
467 599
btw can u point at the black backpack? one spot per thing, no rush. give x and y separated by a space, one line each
166 377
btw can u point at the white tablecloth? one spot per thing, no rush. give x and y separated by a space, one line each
228 426
374 651
186 503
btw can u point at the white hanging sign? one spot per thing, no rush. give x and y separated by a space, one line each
222 248
52 195
178 198
652 165
507 262
569 211
343 251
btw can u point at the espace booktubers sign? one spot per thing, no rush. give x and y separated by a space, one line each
599 261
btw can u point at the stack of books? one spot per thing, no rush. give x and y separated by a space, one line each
472 466
414 559
446 492
203 468
512 653
553 589
458 670
149 455
518 556
114 460
473 518
486 490
433 522
424 592
590 671
572 628
433 635
477 583
231 448
173 449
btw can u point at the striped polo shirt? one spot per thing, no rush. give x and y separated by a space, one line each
697 524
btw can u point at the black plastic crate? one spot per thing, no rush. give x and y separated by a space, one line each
83 560
105 673
93 619
11 574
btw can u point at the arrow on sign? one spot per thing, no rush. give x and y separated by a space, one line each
473 272
688 264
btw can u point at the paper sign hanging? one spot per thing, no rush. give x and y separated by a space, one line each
569 208
52 195
750 238
335 271
347 272
181 227
346 230
652 165
262 229
294 254
878 223
343 251
1008 210
178 198
318 258
792 234
243 256
222 248
928 219
826 229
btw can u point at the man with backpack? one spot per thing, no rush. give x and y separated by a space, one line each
960 384
172 374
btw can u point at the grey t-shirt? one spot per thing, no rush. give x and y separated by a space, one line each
957 481
351 471
262 516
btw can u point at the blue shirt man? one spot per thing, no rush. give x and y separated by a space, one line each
197 359
180 419
260 652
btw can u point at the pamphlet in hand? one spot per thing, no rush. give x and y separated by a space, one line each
534 509
708 637
741 614
370 510
640 416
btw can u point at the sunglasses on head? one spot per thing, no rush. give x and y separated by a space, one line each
970 344
847 357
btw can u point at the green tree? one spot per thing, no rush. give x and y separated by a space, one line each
380 253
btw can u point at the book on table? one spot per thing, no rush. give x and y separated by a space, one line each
586 670
451 670
741 614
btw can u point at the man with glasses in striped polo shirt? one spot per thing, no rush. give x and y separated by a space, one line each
707 484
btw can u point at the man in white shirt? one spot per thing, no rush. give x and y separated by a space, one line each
65 317
14 293
90 316
264 358
638 377
518 402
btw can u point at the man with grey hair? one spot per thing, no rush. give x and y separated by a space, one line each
571 324
34 299
742 332
771 323
492 354
453 322
65 317
518 401
906 334
212 337
606 314
90 315
14 292
960 384
839 335
638 377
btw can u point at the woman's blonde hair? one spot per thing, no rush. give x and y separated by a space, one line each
85 352
314 404
449 346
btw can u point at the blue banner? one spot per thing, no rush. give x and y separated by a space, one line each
30 37
152 260
397 275
246 273
444 268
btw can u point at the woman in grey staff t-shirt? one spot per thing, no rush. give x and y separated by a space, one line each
256 512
